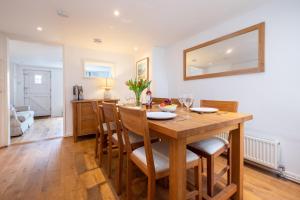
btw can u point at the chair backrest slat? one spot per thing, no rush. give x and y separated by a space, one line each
135 120
111 117
108 111
96 111
229 106
99 115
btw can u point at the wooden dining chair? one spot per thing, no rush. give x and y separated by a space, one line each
111 116
102 131
98 121
214 147
152 158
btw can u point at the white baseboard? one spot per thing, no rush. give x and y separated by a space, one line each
291 176
287 175
68 135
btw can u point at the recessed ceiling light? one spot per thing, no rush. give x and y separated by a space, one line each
228 51
97 40
116 13
39 28
135 48
62 13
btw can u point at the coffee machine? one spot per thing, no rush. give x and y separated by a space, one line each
77 92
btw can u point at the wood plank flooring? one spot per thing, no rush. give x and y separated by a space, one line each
41 129
60 169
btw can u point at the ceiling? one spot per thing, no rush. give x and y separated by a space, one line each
35 54
142 23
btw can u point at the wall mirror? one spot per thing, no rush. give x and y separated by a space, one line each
240 52
96 69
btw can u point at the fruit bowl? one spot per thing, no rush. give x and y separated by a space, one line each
168 108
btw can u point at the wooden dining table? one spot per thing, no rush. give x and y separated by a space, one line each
188 127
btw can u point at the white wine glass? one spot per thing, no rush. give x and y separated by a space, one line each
188 102
181 101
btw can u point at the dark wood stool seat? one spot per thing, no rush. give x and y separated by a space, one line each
214 147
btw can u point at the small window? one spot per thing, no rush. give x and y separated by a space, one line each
98 70
38 79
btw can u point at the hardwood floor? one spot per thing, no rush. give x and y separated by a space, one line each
60 169
41 129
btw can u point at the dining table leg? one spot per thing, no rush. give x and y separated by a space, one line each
238 160
177 169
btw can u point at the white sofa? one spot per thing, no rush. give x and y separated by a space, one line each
21 118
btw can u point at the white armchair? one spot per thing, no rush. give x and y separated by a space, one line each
21 118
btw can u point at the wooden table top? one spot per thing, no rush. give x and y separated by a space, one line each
191 123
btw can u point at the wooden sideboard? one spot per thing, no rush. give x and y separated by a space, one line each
84 118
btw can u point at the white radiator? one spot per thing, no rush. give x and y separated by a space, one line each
259 150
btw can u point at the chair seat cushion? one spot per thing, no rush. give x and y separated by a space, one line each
133 138
160 152
209 146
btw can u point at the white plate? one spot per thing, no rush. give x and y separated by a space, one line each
160 115
204 110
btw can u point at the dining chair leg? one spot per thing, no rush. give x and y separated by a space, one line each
210 176
119 172
109 156
229 164
198 179
202 166
151 187
97 145
100 151
129 179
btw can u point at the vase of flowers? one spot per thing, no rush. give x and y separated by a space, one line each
138 86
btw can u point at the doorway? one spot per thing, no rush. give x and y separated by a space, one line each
36 91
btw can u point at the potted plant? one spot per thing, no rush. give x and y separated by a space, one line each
138 86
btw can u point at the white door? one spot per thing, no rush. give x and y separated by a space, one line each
37 91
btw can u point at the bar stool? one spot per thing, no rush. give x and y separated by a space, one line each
214 147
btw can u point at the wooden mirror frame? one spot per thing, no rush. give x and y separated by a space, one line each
261 51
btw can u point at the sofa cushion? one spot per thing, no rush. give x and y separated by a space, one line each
13 113
23 116
22 108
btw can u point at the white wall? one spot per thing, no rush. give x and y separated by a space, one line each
157 70
272 97
12 86
17 92
57 92
159 73
4 93
73 58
